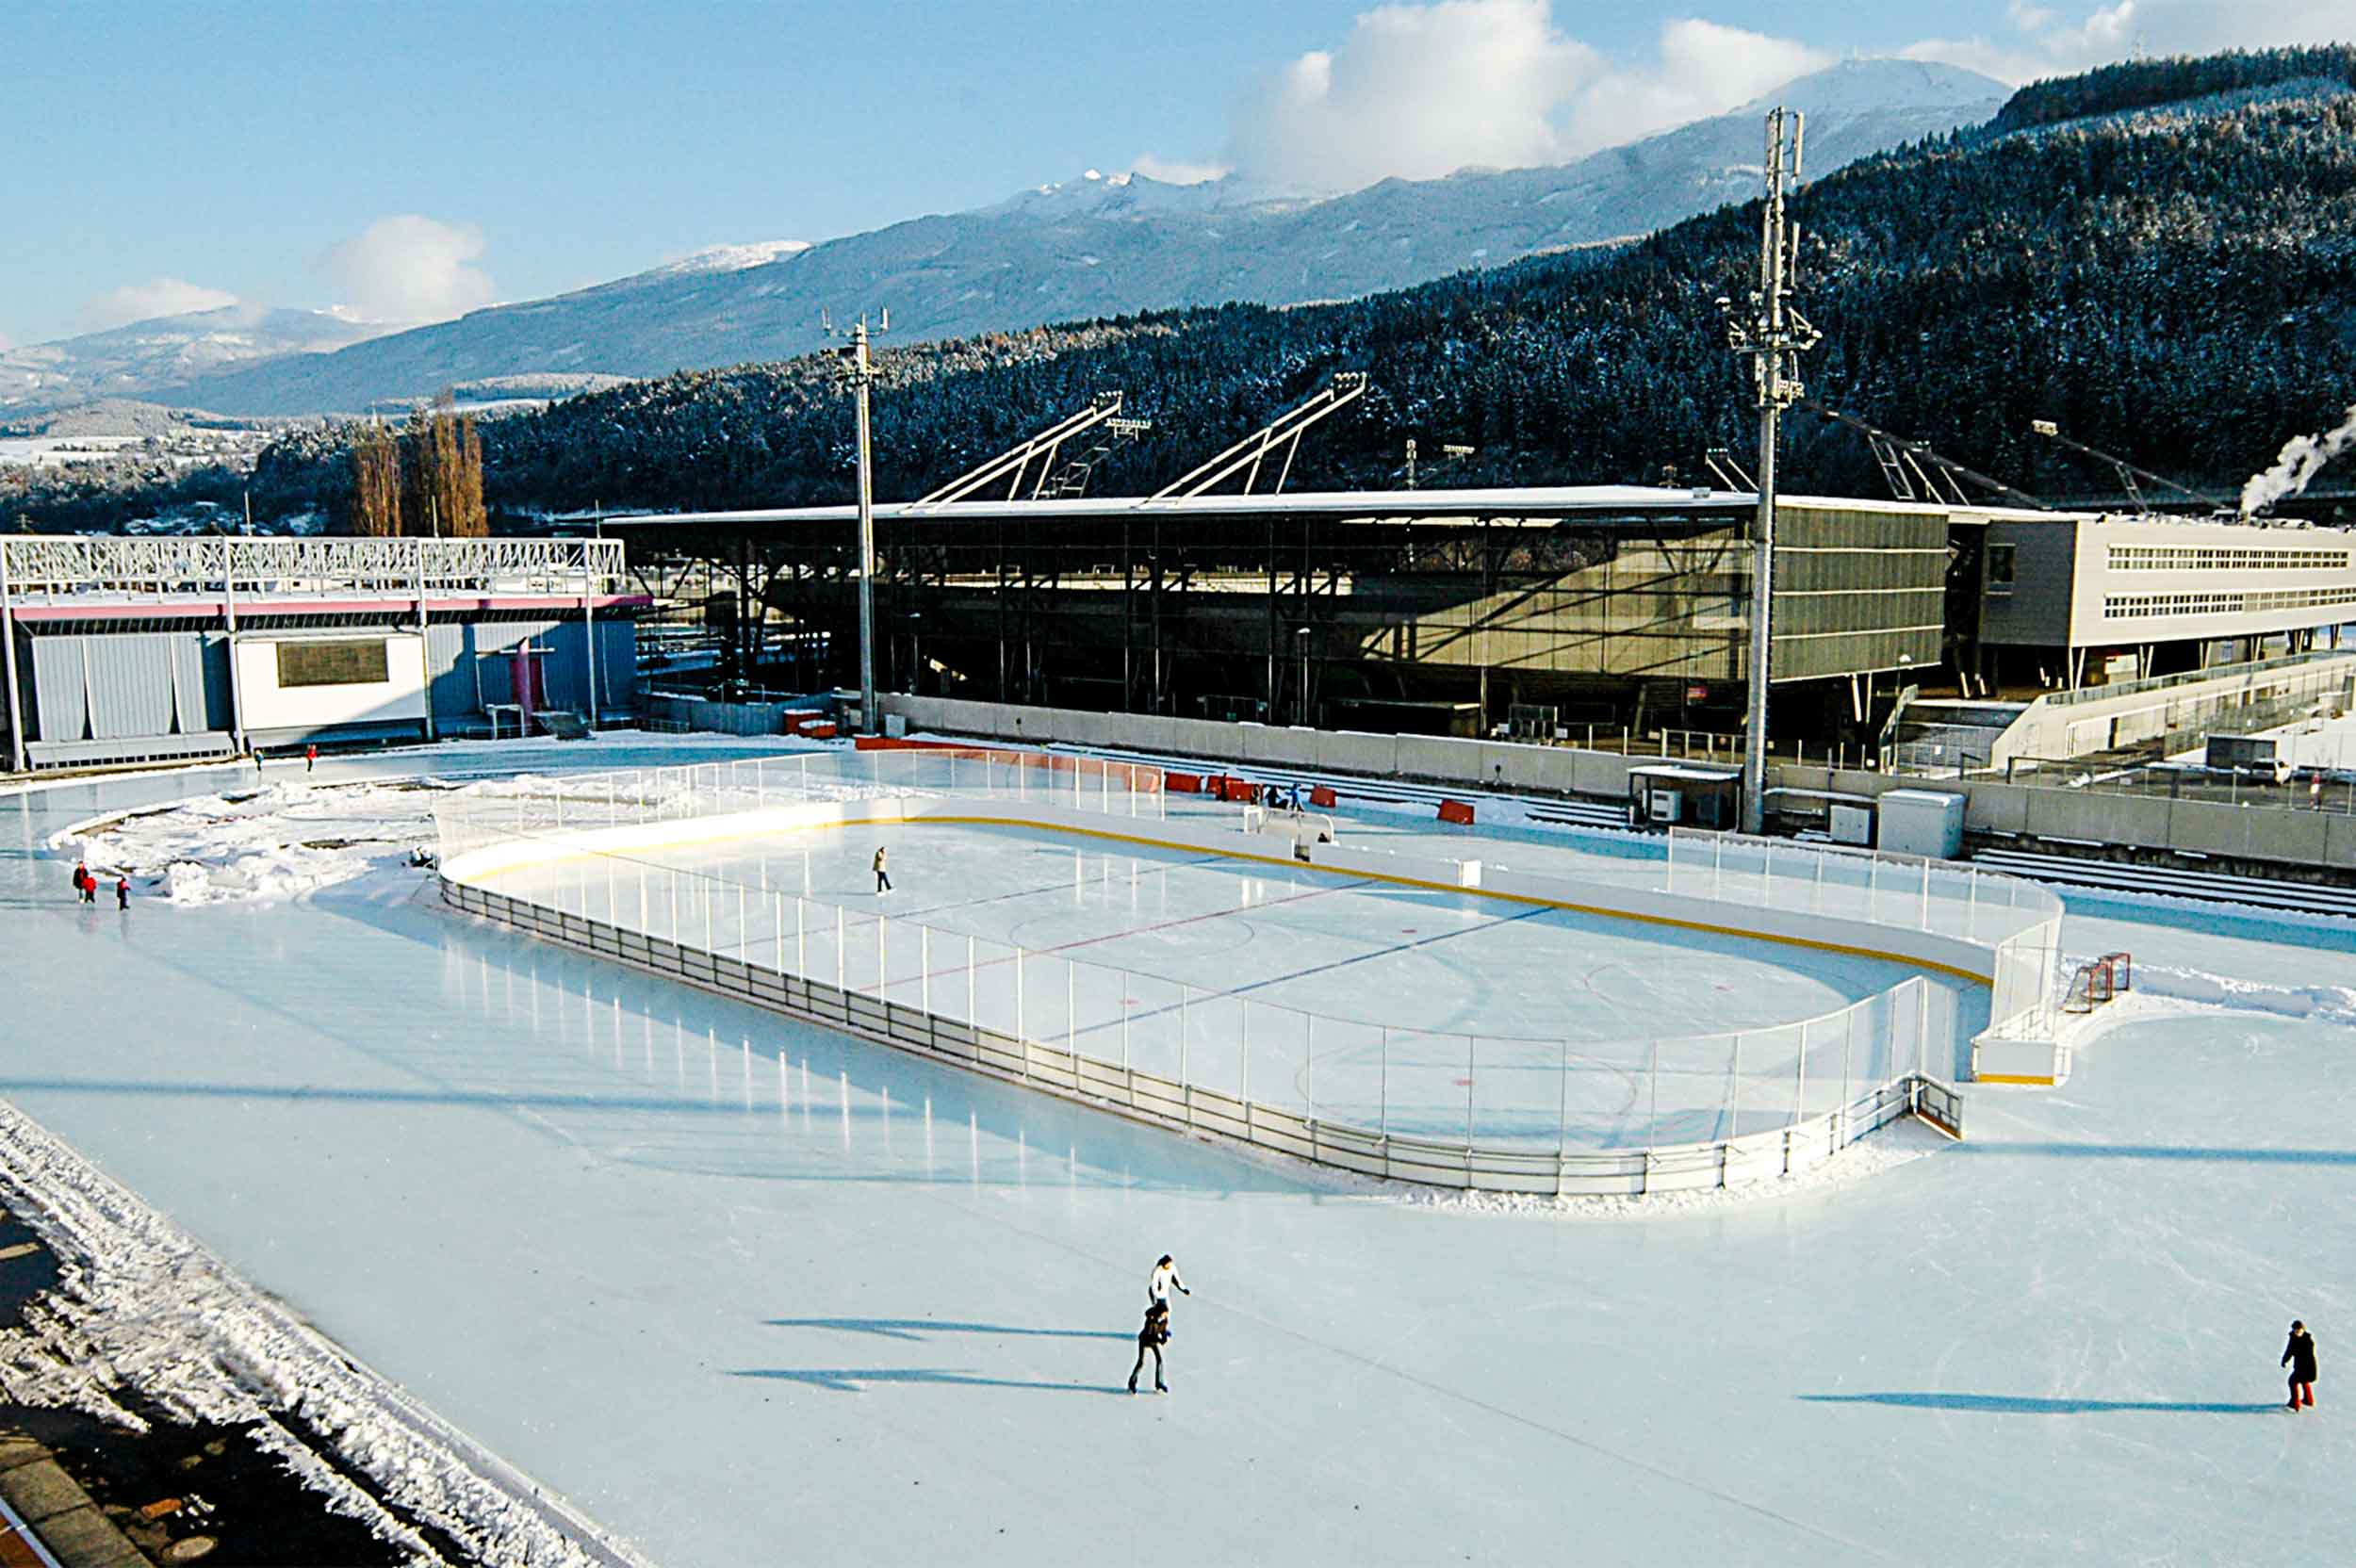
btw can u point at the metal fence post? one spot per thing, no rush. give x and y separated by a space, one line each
1799 1106
1652 1126
1308 1057
1184 993
1469 1096
1734 1090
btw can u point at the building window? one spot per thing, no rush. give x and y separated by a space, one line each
2001 560
341 663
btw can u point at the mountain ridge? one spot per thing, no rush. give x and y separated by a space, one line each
1107 248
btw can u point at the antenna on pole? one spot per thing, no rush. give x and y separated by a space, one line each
857 368
1774 335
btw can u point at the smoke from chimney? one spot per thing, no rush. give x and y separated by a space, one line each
2298 462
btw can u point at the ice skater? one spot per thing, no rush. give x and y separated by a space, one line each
2299 1356
86 884
122 892
1152 1337
311 758
883 877
1157 1288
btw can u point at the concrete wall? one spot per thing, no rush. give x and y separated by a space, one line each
2056 729
2141 822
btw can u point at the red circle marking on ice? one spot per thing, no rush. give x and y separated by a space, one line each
1407 930
1464 1083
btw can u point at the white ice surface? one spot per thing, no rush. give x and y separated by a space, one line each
566 1205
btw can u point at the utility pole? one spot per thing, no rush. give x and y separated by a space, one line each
859 371
1774 335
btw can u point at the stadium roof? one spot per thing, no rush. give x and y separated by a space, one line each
1544 501
1596 502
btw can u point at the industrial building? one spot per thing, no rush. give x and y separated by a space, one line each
1444 611
123 650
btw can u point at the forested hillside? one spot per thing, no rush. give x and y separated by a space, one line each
2177 284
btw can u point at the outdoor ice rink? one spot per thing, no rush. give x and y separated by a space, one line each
747 1291
1416 1011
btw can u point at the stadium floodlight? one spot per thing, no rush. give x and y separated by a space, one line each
2128 473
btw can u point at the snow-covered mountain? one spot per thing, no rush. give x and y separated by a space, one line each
132 361
1102 246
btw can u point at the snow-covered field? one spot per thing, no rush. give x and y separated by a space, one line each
745 1290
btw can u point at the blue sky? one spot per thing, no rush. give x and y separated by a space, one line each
413 160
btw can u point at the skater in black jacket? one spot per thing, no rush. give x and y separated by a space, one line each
2299 1356
1152 1337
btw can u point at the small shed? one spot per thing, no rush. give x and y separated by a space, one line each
1845 818
1680 794
1921 821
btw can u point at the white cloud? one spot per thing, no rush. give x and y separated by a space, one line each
1415 91
1421 90
409 269
2045 40
141 302
1176 171
1704 69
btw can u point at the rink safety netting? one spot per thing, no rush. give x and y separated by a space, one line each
1445 1108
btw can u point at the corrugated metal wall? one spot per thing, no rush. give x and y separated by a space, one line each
462 680
111 685
127 685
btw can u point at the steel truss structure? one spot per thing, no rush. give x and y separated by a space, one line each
40 569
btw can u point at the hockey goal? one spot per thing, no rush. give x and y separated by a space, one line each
2098 981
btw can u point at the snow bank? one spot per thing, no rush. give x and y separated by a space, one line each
138 1304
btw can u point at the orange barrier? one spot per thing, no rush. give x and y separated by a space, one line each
1456 811
1182 783
1237 789
1321 796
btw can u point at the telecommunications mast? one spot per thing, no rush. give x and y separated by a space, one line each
1774 335
860 372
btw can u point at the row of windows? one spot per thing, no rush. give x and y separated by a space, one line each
2183 558
2128 606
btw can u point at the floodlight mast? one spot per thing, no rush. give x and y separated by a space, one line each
859 371
1774 335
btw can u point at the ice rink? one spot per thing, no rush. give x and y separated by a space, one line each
747 1291
1405 1009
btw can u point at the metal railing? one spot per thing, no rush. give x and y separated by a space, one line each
1553 1115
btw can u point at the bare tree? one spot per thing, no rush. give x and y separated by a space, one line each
376 482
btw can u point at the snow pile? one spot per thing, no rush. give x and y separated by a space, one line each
276 842
283 841
2326 1003
141 1305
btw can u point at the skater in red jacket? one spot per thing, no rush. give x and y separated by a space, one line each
2299 1356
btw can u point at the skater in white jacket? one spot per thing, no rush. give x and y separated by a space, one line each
1162 1282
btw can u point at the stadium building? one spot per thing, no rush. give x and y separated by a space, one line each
124 651
1444 611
